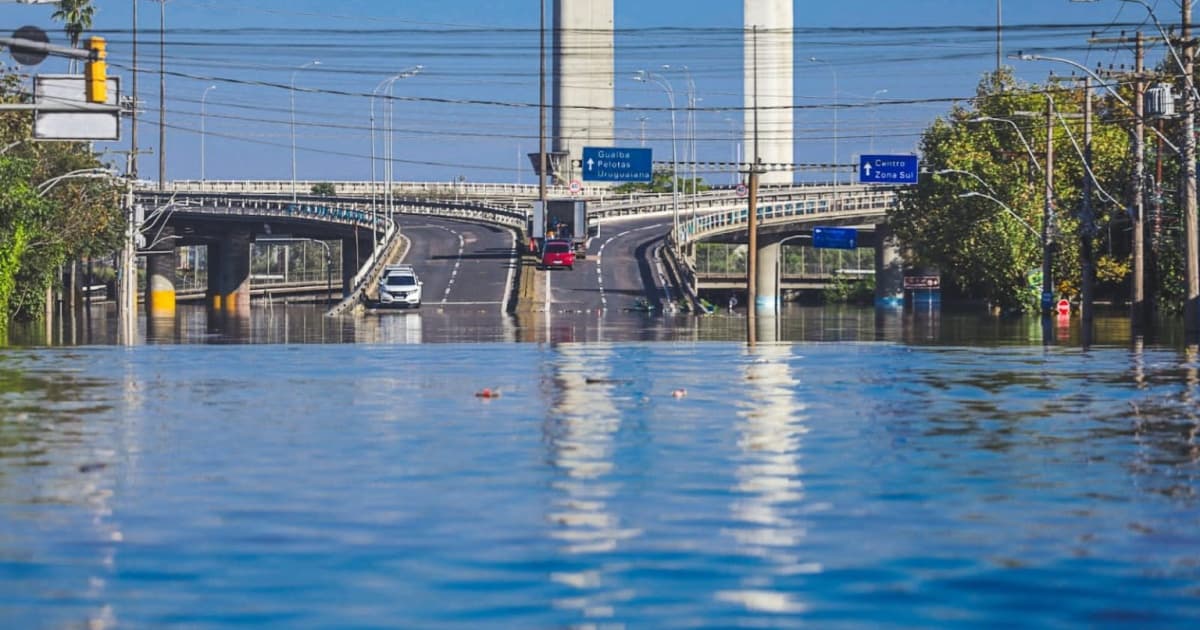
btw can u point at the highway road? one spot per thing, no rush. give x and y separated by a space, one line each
472 267
621 266
469 266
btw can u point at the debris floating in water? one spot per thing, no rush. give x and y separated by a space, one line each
488 392
679 393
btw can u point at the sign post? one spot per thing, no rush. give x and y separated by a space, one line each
616 164
887 169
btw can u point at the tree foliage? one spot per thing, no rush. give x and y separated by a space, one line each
660 182
327 189
986 247
42 228
76 16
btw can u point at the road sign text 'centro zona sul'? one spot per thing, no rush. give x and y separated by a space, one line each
887 169
616 164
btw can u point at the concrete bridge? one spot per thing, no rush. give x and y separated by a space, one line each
228 216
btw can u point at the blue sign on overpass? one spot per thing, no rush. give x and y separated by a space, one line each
834 238
887 169
615 164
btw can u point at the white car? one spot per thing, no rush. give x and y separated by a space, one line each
400 286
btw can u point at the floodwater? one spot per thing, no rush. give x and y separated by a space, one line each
867 470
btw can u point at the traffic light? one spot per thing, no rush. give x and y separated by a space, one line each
96 72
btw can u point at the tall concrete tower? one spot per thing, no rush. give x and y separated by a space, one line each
583 79
773 94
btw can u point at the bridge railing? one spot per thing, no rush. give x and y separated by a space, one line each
366 189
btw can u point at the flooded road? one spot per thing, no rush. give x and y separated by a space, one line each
884 471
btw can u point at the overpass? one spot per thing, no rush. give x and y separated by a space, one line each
227 216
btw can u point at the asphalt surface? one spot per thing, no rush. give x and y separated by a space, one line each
619 269
468 266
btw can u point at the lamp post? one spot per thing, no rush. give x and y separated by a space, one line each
1020 135
202 115
1115 94
83 173
874 115
328 257
292 91
389 138
374 93
662 82
836 176
690 129
973 193
1045 237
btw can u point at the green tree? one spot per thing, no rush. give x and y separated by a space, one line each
660 182
980 247
40 230
324 188
76 16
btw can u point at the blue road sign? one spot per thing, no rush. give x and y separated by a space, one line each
887 169
834 238
615 164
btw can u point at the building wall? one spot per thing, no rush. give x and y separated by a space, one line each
583 69
774 91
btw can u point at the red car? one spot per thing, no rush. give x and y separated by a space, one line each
558 254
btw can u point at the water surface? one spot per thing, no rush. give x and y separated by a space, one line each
847 482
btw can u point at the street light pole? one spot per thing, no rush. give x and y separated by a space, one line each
874 115
662 82
202 116
390 135
836 175
292 92
691 131
1020 135
162 94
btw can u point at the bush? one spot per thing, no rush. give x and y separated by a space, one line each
324 188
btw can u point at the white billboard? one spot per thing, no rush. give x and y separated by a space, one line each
64 91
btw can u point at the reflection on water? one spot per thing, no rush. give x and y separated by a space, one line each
288 324
833 484
580 433
770 484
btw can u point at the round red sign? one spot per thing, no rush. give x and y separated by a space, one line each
576 187
1064 307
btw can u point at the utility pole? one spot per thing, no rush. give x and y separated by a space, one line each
1191 308
542 117
126 270
162 94
1137 302
1087 222
1048 214
752 217
1138 306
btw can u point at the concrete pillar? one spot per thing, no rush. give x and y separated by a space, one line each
889 269
229 273
771 96
160 279
766 279
583 78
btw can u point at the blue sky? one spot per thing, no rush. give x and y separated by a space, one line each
471 111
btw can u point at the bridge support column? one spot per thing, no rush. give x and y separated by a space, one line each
889 269
229 273
160 279
766 281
